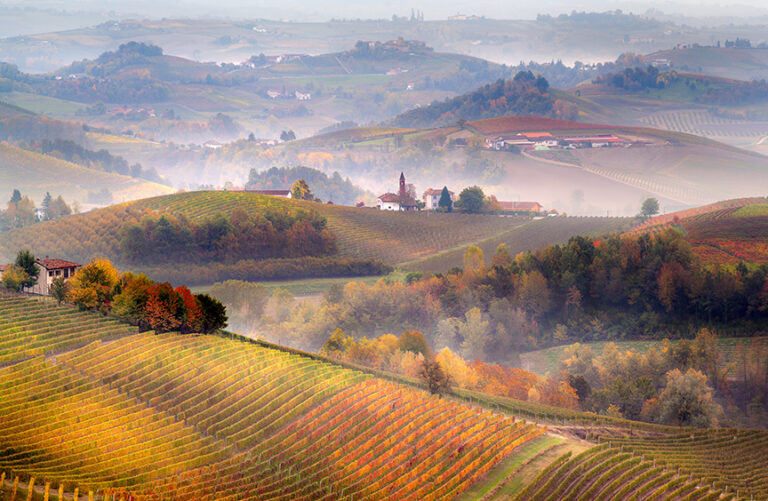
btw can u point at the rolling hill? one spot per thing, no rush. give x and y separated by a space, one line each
157 414
725 62
90 406
362 233
34 175
731 231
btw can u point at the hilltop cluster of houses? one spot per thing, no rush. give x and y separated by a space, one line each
405 200
49 269
548 141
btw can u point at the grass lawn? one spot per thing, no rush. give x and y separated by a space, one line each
43 105
508 477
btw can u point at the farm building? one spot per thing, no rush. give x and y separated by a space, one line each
404 200
523 208
598 141
212 145
49 269
431 198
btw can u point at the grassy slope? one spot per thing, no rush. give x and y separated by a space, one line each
34 174
362 233
530 236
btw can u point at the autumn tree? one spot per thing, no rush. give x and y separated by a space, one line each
433 375
93 284
59 289
414 342
14 278
300 190
686 400
214 313
474 260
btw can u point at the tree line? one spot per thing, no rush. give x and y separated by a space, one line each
523 95
642 286
169 238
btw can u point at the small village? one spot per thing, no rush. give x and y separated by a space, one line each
543 141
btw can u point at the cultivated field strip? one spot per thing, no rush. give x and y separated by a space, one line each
724 458
618 473
393 237
204 417
31 328
704 123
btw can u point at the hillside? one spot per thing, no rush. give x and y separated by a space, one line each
361 233
732 231
34 175
287 424
80 410
725 62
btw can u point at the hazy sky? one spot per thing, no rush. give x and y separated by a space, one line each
433 9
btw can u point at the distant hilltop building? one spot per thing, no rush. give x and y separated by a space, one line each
522 208
404 200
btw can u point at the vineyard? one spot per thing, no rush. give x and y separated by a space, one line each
704 123
614 472
361 233
205 417
726 232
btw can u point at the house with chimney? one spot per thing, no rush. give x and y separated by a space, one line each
403 200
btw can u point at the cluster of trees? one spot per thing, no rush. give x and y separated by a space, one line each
21 211
638 78
472 200
675 384
332 188
141 301
22 273
561 76
410 355
271 234
101 160
525 95
631 286
271 269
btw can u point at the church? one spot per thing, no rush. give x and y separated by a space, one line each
404 200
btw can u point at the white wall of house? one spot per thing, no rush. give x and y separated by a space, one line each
387 205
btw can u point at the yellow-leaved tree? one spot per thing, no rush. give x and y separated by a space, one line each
93 285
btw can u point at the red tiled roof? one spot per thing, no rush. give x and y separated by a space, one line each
520 206
390 198
56 264
4 267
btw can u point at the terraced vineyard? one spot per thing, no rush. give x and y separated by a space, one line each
730 460
205 417
618 473
362 233
704 123
725 232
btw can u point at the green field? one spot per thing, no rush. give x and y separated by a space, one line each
547 360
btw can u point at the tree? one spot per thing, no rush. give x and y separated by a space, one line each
649 208
686 400
437 380
445 203
57 208
287 135
414 342
26 261
472 199
14 277
93 284
59 289
214 313
46 204
15 197
473 259
300 190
